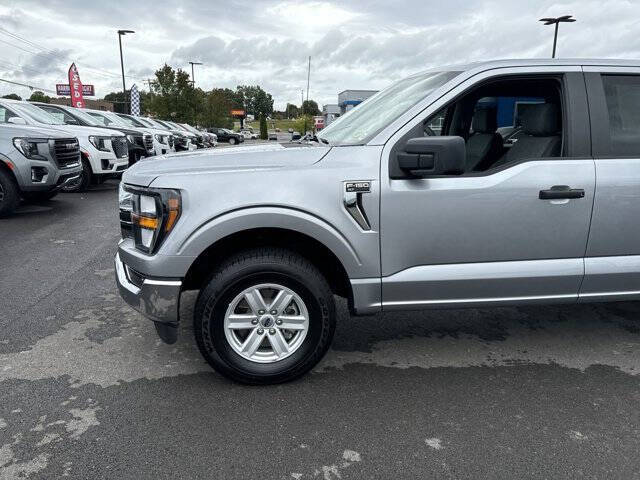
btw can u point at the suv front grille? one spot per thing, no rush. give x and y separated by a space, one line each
66 152
139 141
148 143
119 145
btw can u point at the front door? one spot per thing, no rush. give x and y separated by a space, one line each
495 236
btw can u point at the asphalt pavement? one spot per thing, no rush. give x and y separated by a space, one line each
87 390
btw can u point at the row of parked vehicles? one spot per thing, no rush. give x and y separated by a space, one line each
46 148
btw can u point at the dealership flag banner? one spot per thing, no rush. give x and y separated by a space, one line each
135 100
75 86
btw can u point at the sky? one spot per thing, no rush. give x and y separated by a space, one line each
358 44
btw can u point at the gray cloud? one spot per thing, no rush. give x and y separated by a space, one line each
355 44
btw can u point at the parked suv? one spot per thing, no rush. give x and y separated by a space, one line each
104 152
394 214
226 135
75 116
34 164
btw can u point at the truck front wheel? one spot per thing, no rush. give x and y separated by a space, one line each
266 316
9 195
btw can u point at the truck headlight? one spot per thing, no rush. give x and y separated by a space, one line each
29 147
100 142
161 138
154 213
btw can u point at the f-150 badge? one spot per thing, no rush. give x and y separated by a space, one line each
357 187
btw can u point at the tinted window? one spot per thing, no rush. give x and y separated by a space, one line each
622 95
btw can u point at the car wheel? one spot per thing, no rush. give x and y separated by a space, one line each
36 197
266 316
9 196
232 141
81 183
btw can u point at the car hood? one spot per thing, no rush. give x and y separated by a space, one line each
33 131
79 131
223 160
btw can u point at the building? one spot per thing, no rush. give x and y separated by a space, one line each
330 112
93 104
350 98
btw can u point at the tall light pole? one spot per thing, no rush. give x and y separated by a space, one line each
556 22
193 78
124 88
308 76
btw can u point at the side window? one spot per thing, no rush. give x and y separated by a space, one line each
622 96
506 122
5 114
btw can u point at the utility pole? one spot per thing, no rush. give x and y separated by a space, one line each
556 22
127 107
308 76
193 78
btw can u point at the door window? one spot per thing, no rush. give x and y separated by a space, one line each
622 96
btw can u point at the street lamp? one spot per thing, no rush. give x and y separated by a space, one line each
124 88
556 22
193 79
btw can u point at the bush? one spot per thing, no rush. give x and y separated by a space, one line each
263 128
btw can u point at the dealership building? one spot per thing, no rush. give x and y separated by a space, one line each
346 101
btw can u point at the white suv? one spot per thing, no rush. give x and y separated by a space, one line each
104 151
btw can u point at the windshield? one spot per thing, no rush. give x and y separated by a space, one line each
166 126
102 120
130 121
85 117
35 113
364 121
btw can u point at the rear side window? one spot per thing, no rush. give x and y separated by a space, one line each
622 96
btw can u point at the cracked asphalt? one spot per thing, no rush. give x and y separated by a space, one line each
88 391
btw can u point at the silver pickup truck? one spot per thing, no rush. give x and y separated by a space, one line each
492 184
35 163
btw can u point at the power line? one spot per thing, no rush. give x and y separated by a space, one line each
52 53
32 87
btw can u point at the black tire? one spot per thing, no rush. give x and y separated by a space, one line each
83 183
252 267
232 141
9 194
36 197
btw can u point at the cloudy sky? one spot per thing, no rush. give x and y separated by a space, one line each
359 44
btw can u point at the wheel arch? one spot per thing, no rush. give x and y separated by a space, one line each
329 264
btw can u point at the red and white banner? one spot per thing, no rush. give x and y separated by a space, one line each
75 85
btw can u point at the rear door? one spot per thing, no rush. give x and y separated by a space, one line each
612 263
489 238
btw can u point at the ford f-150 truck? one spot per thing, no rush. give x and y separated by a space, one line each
412 200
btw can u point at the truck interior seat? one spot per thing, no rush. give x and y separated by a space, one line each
484 145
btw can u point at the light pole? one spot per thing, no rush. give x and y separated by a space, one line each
124 88
556 22
193 78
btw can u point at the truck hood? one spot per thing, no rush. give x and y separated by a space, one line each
223 160
84 132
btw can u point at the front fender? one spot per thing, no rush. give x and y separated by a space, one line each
288 218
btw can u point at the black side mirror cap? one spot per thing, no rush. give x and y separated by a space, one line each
429 156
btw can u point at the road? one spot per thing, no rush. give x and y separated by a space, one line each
88 391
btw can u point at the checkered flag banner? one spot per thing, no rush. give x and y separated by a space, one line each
135 100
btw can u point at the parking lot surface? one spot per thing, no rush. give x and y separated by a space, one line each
87 390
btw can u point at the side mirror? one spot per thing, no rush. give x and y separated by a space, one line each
17 121
429 156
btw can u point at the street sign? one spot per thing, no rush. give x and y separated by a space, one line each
237 113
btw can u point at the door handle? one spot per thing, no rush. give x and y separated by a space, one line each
558 192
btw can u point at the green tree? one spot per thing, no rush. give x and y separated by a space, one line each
118 100
39 96
173 96
310 107
216 110
12 96
255 100
292 111
299 124
263 128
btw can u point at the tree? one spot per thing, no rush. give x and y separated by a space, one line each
310 107
39 96
263 128
216 111
292 111
255 100
173 96
12 96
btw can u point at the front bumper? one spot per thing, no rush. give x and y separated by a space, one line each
157 299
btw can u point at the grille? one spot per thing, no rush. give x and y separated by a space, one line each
139 141
180 142
66 152
148 143
170 141
119 145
